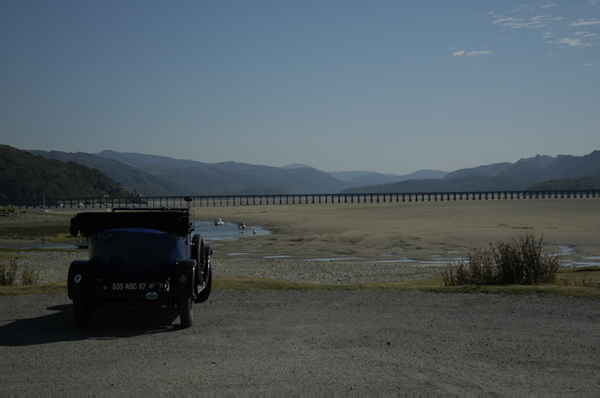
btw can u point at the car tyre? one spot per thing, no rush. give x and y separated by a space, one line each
82 311
185 312
198 255
205 293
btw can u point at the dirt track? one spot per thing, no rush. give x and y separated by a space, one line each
307 342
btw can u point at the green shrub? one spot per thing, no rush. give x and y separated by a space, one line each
518 262
8 274
29 277
6 211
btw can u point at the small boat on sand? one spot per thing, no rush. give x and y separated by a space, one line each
82 244
218 221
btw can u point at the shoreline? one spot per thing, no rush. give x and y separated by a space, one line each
357 243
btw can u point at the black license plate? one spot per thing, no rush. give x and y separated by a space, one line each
129 286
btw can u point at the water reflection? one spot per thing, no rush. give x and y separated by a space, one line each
227 231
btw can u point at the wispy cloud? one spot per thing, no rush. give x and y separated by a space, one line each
571 42
520 8
539 21
583 22
586 34
470 53
555 27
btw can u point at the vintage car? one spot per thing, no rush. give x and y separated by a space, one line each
137 257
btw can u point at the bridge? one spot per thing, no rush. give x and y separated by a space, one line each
291 199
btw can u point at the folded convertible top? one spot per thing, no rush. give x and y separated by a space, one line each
175 221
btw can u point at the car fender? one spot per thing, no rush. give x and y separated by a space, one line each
182 281
79 279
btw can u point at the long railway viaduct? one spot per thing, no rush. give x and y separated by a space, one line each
291 199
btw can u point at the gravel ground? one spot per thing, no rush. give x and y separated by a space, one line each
54 266
271 342
324 342
318 342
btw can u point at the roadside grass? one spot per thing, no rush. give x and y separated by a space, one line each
573 282
49 233
52 227
35 249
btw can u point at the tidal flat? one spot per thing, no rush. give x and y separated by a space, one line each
348 243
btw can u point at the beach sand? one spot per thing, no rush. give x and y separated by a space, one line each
413 230
366 242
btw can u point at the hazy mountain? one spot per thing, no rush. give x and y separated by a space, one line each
574 184
465 184
141 160
159 175
296 180
500 176
360 178
296 166
480 171
152 175
538 168
376 178
131 178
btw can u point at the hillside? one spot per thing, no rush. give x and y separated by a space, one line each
376 178
139 160
574 184
539 168
131 178
230 178
152 175
465 184
26 176
363 178
522 175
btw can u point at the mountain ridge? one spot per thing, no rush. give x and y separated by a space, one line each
503 176
152 175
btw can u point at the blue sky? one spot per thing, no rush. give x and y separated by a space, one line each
386 86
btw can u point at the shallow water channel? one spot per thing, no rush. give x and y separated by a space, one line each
209 231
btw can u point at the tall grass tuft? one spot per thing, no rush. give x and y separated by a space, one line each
8 274
519 261
29 277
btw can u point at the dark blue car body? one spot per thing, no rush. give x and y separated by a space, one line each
137 257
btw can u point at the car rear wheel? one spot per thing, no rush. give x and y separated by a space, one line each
205 293
185 312
82 311
198 255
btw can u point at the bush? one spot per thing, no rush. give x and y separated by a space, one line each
29 277
8 275
519 262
